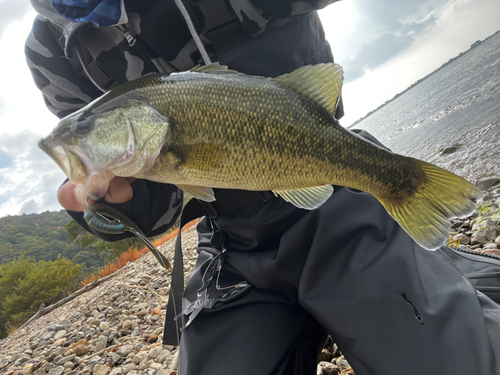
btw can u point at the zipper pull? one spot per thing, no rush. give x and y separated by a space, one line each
126 33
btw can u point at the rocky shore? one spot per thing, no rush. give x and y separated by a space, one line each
116 328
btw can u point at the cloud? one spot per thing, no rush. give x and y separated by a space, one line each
5 160
384 48
30 183
377 31
12 10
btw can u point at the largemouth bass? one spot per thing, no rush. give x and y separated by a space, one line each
215 128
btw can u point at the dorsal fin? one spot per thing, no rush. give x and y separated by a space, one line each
213 68
321 83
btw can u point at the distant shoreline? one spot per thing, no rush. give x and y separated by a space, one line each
474 45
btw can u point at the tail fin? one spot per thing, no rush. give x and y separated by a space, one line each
426 214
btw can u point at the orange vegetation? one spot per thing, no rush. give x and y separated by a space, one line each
132 254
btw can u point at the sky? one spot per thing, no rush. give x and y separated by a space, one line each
383 46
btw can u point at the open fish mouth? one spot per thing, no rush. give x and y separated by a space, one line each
93 182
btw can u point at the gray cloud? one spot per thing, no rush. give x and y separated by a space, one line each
32 179
12 10
30 206
385 47
384 29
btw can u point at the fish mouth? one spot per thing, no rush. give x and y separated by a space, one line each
93 182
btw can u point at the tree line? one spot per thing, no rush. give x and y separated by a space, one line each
43 258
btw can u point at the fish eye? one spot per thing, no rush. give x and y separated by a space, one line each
82 126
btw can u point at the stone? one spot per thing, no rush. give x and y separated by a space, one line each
342 364
127 325
490 246
155 352
329 368
157 311
28 369
325 356
56 371
488 183
491 233
115 357
152 339
116 371
497 240
479 237
66 359
125 350
101 370
60 334
103 326
138 357
59 342
81 349
95 322
462 239
68 366
164 356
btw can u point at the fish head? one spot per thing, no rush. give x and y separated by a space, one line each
93 145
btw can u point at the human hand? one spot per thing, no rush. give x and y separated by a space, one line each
74 199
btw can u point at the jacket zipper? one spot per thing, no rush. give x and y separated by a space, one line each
491 256
126 33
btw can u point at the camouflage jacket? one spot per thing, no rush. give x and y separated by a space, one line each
73 63
62 55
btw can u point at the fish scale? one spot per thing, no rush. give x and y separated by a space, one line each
215 128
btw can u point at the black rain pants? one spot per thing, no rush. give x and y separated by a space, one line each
392 307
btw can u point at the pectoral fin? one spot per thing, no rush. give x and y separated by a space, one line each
308 198
200 192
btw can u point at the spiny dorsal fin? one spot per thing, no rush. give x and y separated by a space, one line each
307 198
321 83
213 68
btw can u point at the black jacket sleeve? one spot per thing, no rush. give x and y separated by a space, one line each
154 208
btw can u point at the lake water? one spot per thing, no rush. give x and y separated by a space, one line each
457 106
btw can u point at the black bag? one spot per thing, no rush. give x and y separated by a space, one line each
483 270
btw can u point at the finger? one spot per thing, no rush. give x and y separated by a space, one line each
72 198
119 190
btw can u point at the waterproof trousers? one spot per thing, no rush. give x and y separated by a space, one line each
392 307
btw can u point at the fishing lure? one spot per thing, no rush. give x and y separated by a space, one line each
106 219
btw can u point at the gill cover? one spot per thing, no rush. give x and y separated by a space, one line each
94 144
